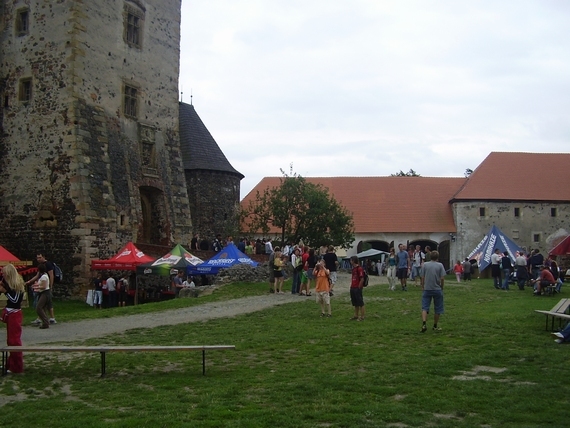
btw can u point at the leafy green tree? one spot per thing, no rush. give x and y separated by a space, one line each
301 211
410 173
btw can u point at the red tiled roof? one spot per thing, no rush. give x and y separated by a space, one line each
519 177
388 204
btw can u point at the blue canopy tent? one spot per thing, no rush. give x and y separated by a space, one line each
229 256
494 239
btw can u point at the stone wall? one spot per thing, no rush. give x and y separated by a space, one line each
214 202
74 177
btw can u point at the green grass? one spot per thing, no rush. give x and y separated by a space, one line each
492 365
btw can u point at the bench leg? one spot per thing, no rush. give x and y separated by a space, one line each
4 363
102 364
203 362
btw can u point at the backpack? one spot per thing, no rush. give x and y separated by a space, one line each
365 278
57 273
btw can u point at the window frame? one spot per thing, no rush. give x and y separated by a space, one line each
22 27
517 212
134 17
553 212
25 90
482 212
130 101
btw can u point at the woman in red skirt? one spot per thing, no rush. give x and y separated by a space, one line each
13 286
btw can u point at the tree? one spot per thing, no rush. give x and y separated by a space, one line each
410 173
301 211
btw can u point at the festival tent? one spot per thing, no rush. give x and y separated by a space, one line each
177 259
495 238
562 249
127 259
229 256
371 253
23 267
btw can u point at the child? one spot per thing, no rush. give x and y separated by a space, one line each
323 287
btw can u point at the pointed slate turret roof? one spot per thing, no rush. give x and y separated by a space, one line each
198 147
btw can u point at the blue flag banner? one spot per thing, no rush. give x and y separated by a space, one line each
494 239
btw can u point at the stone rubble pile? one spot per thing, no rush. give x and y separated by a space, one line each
243 273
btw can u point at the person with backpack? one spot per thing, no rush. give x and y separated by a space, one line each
356 285
51 275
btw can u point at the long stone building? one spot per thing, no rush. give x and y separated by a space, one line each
90 146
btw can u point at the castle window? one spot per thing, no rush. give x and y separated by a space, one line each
536 237
130 101
515 234
25 90
517 212
553 212
482 212
22 22
134 19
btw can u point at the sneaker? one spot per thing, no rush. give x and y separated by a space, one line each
36 321
52 321
329 315
558 335
556 340
436 328
322 315
424 329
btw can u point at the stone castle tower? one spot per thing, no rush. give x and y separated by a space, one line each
90 151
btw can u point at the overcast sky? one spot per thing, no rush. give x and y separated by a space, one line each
372 87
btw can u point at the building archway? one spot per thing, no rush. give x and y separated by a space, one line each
376 244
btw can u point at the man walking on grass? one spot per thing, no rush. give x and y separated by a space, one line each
356 284
433 274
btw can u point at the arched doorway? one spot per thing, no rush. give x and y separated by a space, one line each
444 254
153 230
376 244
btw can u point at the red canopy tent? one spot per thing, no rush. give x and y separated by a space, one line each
23 267
562 249
126 259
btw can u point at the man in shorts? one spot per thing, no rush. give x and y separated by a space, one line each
356 285
433 274
403 266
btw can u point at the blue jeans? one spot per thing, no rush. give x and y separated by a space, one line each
296 282
506 272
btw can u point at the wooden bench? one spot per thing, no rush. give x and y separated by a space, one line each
558 311
103 350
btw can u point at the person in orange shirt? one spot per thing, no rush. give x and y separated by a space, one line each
323 288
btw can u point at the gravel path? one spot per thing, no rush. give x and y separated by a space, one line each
88 329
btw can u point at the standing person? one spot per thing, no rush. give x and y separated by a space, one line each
466 270
271 262
356 285
248 248
123 290
13 286
418 258
535 261
496 268
507 267
50 273
433 275
403 263
391 269
427 253
331 263
521 270
178 282
217 244
42 287
194 242
97 292
204 246
112 289
311 263
268 246
278 271
322 288
297 264
458 270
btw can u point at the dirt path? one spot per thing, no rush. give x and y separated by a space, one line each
88 329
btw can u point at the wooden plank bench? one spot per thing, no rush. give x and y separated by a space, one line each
558 311
103 350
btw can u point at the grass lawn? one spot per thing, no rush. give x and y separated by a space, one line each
493 365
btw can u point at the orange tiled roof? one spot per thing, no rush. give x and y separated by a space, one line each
388 204
519 177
